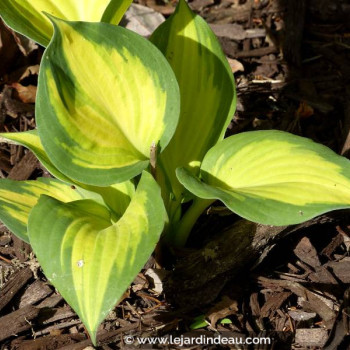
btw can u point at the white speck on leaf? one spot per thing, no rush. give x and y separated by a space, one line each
80 263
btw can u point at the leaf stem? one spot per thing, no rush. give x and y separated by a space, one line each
182 228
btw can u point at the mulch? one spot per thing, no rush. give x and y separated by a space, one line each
290 60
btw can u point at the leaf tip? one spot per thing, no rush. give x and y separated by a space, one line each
51 17
57 23
93 335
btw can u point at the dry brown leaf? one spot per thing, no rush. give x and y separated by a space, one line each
25 45
11 107
140 282
25 93
304 110
31 70
235 65
157 277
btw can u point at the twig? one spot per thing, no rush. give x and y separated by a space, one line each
153 160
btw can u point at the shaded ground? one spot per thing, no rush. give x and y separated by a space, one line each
290 61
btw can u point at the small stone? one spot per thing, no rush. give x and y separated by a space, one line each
299 315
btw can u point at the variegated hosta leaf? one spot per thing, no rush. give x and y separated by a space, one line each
17 198
206 86
272 177
105 95
90 259
115 11
27 17
116 196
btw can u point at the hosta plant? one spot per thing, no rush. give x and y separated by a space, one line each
131 129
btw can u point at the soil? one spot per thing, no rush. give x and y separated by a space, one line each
290 60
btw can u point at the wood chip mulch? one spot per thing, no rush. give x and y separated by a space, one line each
290 60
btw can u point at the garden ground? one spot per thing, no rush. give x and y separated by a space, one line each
291 64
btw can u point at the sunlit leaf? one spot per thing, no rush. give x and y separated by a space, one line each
206 86
272 177
90 259
27 17
105 95
115 11
17 198
116 196
199 322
